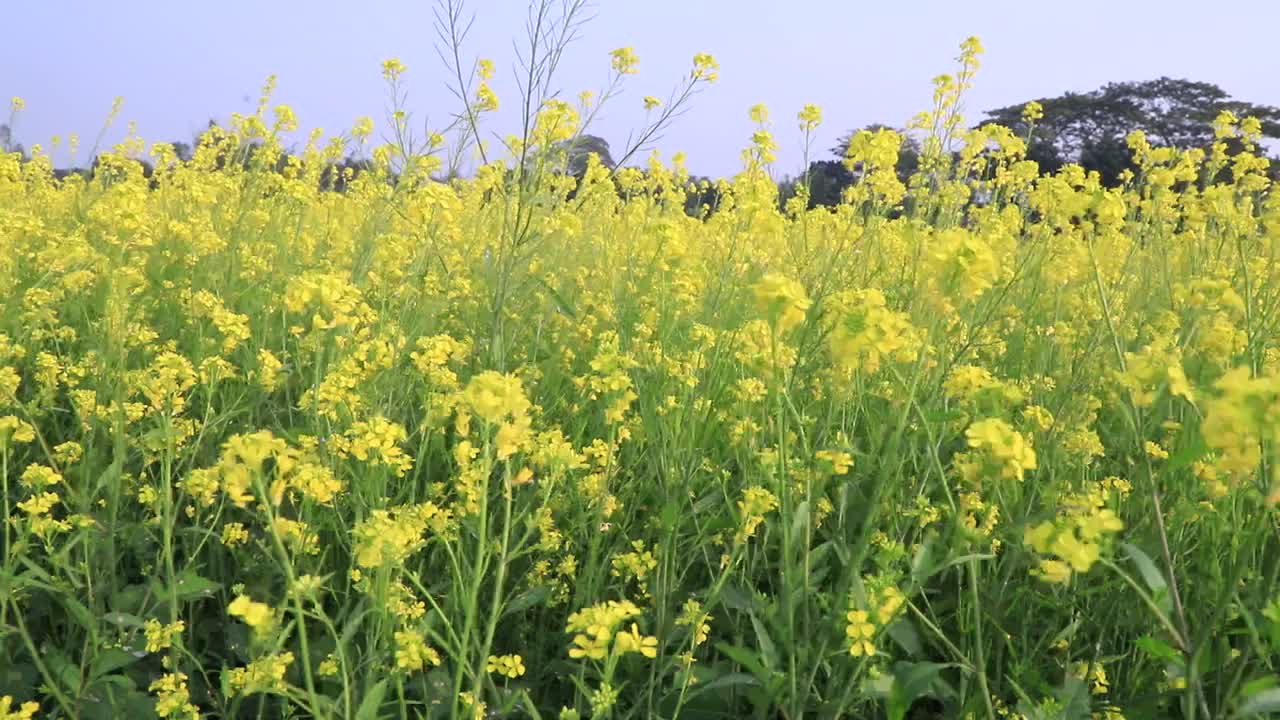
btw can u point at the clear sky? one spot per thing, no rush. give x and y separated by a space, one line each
179 63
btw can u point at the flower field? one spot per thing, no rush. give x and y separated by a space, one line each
282 440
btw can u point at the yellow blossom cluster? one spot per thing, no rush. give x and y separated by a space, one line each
598 632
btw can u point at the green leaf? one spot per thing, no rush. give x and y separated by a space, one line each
1151 574
526 600
66 672
1187 455
1267 701
191 586
768 652
736 599
368 709
527 703
565 307
1066 633
708 502
17 679
727 680
923 563
910 681
1158 649
120 619
1257 685
800 520
129 600
744 657
83 617
904 632
1074 696
110 660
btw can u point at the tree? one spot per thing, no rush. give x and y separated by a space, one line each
578 149
828 178
1090 128
6 141
908 154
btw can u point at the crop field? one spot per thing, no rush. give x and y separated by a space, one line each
282 437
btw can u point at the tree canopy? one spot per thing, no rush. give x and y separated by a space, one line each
1090 128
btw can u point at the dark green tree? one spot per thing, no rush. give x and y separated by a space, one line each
1090 128
828 179
6 141
577 150
908 154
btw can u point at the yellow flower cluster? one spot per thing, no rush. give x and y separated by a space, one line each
256 615
428 389
997 447
160 636
511 666
1244 414
263 675
388 537
376 441
781 300
756 502
1075 540
413 653
173 698
866 333
499 400
598 626
25 711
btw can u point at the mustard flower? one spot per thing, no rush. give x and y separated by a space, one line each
624 61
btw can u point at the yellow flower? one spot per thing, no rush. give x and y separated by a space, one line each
1079 554
15 430
269 367
173 699
362 129
160 636
496 397
860 632
630 641
782 300
693 615
392 69
38 477
810 117
839 461
651 102
486 99
705 68
1006 446
234 534
265 674
624 61
413 653
328 667
511 666
1054 571
26 711
756 502
256 615
595 627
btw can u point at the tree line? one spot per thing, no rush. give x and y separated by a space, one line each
1088 129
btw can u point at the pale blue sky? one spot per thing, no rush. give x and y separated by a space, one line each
178 63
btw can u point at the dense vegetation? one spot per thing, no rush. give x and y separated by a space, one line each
989 442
